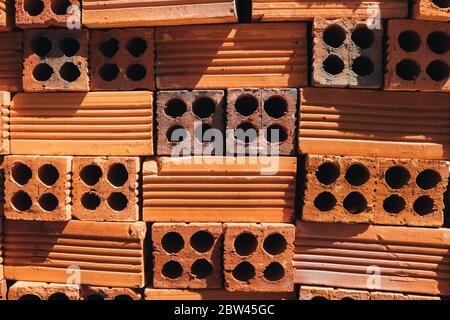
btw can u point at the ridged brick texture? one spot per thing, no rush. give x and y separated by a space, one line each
38 188
107 253
407 260
122 59
385 124
105 188
138 13
431 10
258 257
106 293
219 189
269 55
25 290
55 60
95 123
263 121
5 101
6 15
48 13
347 53
11 61
3 289
1 254
187 255
284 10
418 56
213 294
192 113
325 293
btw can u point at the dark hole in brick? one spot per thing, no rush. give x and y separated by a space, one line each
201 241
48 174
172 270
363 37
69 72
275 244
355 203
175 108
42 72
245 244
90 200
200 133
244 271
357 174
246 105
203 107
95 297
274 272
172 242
137 47
41 46
438 70
276 134
21 173
123 297
117 174
394 204
109 47
396 177
408 69
409 40
334 35
362 66
438 42
428 179
276 107
347 298
33 7
327 173
117 201
176 134
29 297
59 7
333 64
319 298
441 3
91 174
21 201
423 205
201 268
58 296
108 72
69 46
245 132
325 201
136 72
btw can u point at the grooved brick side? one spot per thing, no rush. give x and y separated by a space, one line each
48 13
269 55
141 13
5 101
1 255
6 15
107 253
94 123
385 124
107 293
25 290
431 10
214 294
408 260
11 61
219 189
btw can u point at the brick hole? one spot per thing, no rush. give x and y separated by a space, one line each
172 270
363 37
276 107
245 132
117 201
319 298
136 72
441 3
396 177
90 200
59 7
275 244
175 108
363 66
69 46
409 40
423 205
48 174
274 272
327 173
69 72
58 296
245 244
244 271
203 107
201 268
438 42
29 297
137 47
201 133
408 69
109 47
117 174
202 241
357 174
108 72
355 203
21 201
91 174
325 201
438 70
246 105
172 242
48 202
347 299
123 297
428 179
41 46
95 297
33 7
42 72
394 204
21 173
334 35
275 134
176 134
333 64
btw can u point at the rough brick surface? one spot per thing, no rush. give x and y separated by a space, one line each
193 113
187 255
48 13
24 290
122 59
347 53
6 15
258 257
3 289
5 101
1 254
105 188
431 10
418 56
214 294
11 61
37 188
106 293
262 115
55 60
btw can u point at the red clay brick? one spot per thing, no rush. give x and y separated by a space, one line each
55 60
418 57
258 257
6 15
1 251
24 290
106 293
5 101
37 188
431 10
3 289
214 294
105 188
48 13
122 59
11 61
187 255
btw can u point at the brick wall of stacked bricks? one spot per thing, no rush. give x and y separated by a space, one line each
95 205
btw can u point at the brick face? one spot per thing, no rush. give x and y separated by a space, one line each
48 13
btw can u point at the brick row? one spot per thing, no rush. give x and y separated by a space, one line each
5 101
11 61
48 13
213 294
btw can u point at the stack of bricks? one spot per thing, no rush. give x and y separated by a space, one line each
217 150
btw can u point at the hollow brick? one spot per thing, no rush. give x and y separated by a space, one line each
48 13
5 101
6 15
26 290
213 294
438 10
11 61
107 293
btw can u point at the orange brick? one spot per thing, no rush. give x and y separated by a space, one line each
431 10
11 61
48 13
6 15
24 290
1 253
214 294
3 289
107 293
5 100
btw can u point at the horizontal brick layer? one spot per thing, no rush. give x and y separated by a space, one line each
214 294
6 14
11 61
5 100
